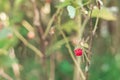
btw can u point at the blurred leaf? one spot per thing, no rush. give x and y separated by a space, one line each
117 58
69 26
71 11
3 51
104 13
6 61
27 63
17 17
55 46
104 67
63 4
4 5
17 3
85 45
4 32
65 67
7 38
86 2
23 31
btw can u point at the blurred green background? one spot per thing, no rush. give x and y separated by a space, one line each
23 24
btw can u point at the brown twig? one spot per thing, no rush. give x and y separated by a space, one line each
37 24
88 55
90 39
36 19
51 22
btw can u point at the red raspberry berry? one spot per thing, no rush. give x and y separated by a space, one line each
78 52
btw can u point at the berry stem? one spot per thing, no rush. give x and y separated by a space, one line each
69 48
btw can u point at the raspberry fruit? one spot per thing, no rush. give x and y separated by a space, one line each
78 52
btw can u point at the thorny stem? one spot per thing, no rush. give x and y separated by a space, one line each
78 59
27 25
50 23
36 20
69 48
81 31
71 54
88 56
83 27
18 35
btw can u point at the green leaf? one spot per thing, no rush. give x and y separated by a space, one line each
66 67
4 32
4 5
5 41
69 26
86 2
3 51
6 61
64 4
71 11
103 13
17 2
23 31
55 46
85 45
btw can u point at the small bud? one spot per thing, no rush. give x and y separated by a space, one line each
85 11
52 31
31 35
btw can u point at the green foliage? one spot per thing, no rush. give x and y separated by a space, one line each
66 68
57 45
104 68
69 26
4 5
65 71
64 4
57 58
7 38
104 13
6 61
23 31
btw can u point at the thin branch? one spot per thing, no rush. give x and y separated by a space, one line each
96 23
18 35
88 54
27 25
50 23
71 54
36 20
